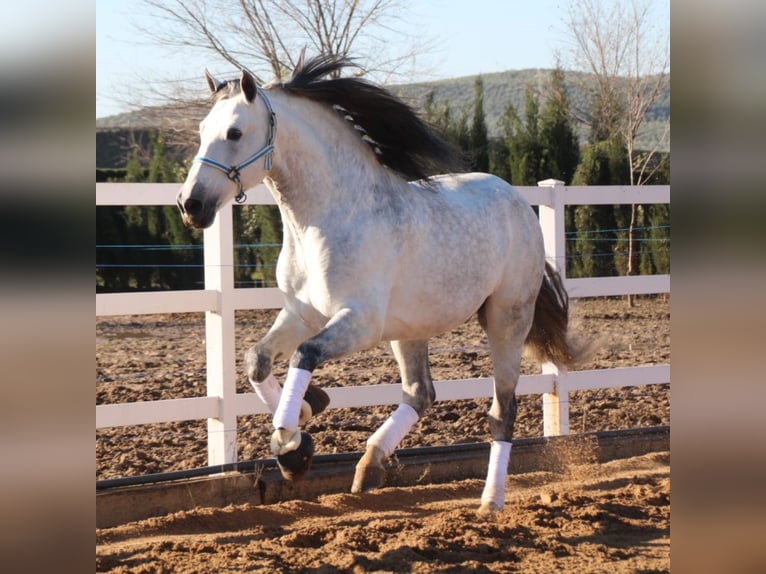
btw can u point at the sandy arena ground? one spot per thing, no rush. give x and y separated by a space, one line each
586 518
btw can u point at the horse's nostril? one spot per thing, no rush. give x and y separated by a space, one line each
192 206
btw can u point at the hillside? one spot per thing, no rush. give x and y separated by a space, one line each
504 88
500 89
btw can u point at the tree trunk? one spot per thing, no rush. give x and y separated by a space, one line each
631 254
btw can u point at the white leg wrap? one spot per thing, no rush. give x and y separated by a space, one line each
269 392
494 489
391 432
287 414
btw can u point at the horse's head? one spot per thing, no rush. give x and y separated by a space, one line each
236 133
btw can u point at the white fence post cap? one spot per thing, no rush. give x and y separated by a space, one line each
550 183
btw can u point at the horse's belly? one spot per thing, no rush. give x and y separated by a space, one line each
402 328
428 313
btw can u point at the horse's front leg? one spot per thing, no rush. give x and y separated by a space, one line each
348 331
287 332
417 395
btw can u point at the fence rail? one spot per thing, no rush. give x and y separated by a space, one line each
220 299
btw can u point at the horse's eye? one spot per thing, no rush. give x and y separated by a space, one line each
233 134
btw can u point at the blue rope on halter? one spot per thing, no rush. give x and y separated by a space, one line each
233 171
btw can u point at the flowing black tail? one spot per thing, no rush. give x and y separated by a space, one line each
549 339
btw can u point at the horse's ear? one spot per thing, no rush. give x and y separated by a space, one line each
301 59
211 82
247 83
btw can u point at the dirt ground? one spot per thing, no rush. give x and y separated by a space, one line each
612 517
585 517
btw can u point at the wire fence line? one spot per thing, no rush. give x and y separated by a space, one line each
134 266
273 265
572 236
161 246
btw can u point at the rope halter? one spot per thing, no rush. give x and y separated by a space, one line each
234 171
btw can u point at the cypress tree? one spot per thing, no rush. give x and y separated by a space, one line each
115 226
110 230
655 249
479 142
560 147
135 228
499 160
259 227
595 251
148 268
166 227
658 218
456 130
522 139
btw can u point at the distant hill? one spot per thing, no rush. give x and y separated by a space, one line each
504 88
500 90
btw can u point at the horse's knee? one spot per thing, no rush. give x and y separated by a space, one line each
257 363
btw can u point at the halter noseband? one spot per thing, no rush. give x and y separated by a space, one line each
233 171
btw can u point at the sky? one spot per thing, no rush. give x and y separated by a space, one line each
469 37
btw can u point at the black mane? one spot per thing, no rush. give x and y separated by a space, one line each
407 144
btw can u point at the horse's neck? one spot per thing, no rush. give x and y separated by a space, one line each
318 172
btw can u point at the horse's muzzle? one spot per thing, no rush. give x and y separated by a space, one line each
194 212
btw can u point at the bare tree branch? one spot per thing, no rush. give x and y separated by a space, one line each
192 14
266 35
612 41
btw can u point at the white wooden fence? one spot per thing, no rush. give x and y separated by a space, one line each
219 300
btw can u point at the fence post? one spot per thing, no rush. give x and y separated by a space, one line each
219 337
552 223
555 405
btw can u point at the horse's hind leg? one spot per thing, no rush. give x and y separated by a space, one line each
287 332
417 395
506 329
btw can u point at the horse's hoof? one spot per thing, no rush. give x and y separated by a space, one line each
367 478
296 463
489 509
285 440
314 402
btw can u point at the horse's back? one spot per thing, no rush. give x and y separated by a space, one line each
478 211
467 182
468 192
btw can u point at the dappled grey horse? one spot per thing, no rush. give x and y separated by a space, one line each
377 247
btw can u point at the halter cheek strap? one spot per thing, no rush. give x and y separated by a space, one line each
233 172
